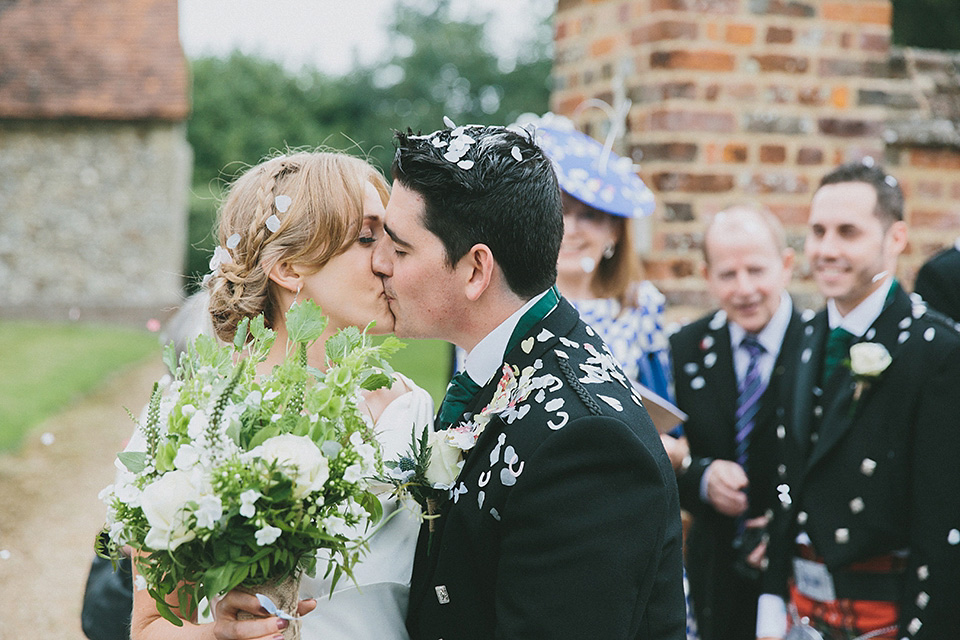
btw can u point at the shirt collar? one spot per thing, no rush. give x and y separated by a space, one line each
485 359
864 314
771 336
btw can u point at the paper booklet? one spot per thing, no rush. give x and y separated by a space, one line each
665 415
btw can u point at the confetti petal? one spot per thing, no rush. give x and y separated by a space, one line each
273 223
465 164
447 121
233 241
282 203
515 152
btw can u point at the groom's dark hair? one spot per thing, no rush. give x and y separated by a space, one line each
488 185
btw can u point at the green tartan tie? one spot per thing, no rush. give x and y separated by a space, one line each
838 347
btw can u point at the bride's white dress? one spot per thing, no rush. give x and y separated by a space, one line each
375 607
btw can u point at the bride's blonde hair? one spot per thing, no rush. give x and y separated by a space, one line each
323 216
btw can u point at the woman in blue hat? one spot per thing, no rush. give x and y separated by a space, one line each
598 269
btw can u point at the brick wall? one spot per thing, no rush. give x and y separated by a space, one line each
755 100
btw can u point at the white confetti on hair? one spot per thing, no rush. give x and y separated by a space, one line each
273 223
515 152
447 121
233 241
282 203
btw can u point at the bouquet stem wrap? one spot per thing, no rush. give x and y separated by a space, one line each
285 594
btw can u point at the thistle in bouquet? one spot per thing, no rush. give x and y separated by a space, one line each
243 477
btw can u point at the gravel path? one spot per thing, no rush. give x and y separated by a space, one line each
49 511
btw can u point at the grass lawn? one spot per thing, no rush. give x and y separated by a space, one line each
426 362
47 366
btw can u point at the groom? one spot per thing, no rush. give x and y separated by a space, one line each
564 519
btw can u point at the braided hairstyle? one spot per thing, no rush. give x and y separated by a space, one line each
325 213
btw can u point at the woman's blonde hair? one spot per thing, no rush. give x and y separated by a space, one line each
323 218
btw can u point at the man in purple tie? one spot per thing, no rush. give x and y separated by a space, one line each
727 367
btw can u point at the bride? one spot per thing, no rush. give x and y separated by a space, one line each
303 226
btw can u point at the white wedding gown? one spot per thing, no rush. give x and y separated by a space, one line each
375 607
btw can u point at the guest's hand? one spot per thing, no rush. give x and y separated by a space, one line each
726 482
677 449
262 627
758 557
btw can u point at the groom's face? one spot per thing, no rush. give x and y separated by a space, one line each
421 288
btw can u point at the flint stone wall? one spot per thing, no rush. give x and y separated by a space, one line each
92 218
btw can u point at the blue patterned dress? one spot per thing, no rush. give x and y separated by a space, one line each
635 335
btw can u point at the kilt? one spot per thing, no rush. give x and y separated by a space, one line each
850 615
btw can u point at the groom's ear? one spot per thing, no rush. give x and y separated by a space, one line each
479 265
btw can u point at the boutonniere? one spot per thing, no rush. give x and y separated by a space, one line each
867 361
428 472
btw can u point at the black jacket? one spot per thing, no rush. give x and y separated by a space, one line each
879 474
566 521
706 389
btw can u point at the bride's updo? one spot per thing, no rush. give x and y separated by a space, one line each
303 209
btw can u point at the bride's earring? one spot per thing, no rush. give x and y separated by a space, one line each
296 295
608 252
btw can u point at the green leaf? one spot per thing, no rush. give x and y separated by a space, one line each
339 345
134 461
164 610
305 322
240 337
263 435
376 381
170 357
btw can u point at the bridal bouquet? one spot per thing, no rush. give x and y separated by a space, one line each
242 478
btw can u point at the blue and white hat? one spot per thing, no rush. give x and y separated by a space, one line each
590 173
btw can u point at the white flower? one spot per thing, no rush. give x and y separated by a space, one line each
444 461
187 457
336 526
209 511
299 455
197 425
267 535
869 359
164 504
366 452
248 500
129 494
353 473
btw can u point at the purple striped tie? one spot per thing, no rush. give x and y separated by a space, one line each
748 401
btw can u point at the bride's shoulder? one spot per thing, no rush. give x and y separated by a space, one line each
379 400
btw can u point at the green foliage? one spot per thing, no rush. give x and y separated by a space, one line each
244 475
47 366
929 24
246 107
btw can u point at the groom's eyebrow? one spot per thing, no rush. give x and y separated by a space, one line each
396 238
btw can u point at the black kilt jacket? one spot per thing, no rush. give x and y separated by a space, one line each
706 390
879 474
565 519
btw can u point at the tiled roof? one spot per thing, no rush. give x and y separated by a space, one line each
98 59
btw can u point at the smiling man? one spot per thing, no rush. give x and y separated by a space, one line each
866 538
563 521
727 367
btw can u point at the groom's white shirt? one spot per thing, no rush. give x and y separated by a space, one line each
484 361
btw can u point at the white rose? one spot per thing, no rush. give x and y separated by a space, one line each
300 455
164 504
444 461
869 359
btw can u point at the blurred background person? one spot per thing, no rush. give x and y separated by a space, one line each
938 282
727 367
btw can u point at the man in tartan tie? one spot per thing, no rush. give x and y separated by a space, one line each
727 367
